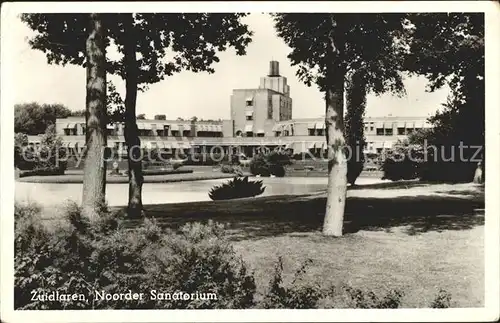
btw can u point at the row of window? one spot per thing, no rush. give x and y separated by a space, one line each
284 115
401 131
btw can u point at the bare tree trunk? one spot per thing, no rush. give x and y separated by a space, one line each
94 180
132 140
337 161
354 126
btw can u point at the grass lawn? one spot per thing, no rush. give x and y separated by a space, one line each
418 238
166 178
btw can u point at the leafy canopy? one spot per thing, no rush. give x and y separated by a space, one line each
446 47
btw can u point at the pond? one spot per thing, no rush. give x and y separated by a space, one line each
153 193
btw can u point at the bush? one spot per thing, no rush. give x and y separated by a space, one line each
43 171
49 156
236 188
227 169
357 298
151 172
295 296
176 164
80 257
200 259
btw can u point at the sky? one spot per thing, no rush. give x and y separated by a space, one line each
203 95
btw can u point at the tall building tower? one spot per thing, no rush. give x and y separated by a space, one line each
255 111
274 81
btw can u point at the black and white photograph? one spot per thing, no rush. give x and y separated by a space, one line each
246 161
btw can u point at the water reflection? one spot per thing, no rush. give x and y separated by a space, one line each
116 194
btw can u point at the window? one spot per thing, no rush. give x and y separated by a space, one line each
249 118
270 108
249 134
260 135
380 131
249 103
312 132
401 131
388 132
371 128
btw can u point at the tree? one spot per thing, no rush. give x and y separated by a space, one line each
21 159
449 50
52 155
327 48
354 125
34 118
94 179
192 40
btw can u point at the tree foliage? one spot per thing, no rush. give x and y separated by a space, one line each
371 44
150 47
354 125
328 48
34 118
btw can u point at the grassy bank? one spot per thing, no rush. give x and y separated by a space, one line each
169 178
417 237
410 241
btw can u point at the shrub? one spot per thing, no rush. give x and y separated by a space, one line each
227 169
259 166
442 300
277 170
294 296
176 164
357 298
49 156
236 188
43 171
269 164
200 259
405 162
79 257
